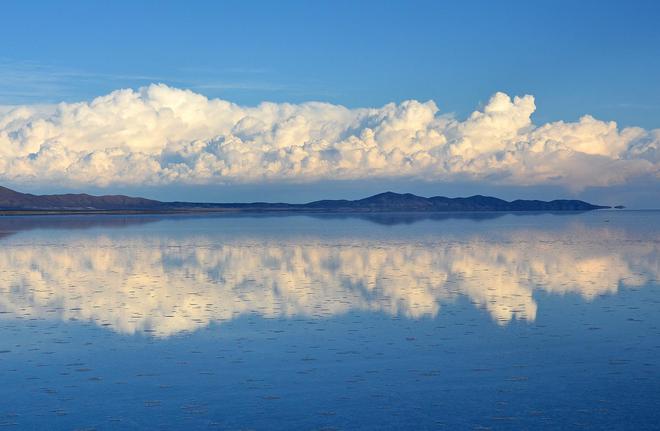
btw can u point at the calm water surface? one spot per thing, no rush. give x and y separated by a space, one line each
535 321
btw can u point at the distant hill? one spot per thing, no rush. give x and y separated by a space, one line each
390 201
11 200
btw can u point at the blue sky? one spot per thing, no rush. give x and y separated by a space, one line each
600 58
597 57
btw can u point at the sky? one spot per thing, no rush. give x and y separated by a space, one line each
294 101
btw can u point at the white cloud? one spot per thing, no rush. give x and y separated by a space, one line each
163 135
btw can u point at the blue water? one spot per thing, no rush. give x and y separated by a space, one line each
494 321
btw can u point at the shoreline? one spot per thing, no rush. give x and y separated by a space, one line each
288 211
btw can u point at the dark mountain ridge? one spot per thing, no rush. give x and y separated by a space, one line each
11 200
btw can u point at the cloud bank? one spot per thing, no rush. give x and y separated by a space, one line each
161 135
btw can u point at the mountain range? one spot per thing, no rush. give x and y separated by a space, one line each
14 201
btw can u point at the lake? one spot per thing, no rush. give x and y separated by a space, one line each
383 321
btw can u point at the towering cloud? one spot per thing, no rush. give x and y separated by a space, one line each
161 135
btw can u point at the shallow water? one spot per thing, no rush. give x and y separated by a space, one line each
501 321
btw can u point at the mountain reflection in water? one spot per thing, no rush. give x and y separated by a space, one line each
164 284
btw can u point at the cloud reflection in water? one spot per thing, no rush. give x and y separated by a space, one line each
165 285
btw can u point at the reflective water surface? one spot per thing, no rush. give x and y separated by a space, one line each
494 321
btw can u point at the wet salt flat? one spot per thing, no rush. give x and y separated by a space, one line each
489 321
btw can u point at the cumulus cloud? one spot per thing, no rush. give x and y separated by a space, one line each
162 135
